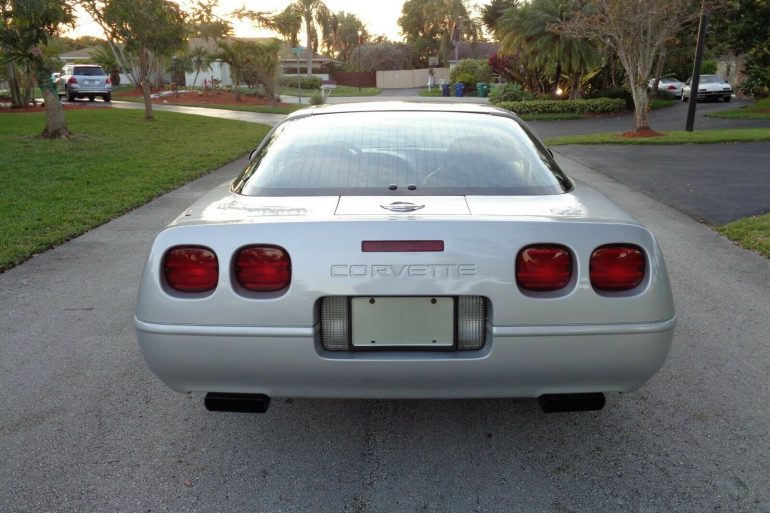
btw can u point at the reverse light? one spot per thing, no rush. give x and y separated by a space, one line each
191 269
263 268
617 267
543 267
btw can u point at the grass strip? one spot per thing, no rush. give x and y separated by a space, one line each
52 191
732 135
245 107
751 233
760 110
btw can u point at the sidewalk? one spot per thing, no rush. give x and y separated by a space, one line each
402 95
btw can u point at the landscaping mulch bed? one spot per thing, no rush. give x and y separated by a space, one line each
208 98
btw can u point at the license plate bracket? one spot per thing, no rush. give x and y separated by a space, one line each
420 322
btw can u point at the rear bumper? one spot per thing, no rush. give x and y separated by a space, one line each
515 362
86 90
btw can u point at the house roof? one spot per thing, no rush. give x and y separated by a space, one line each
468 50
284 52
83 53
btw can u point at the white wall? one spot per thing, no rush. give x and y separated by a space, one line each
410 78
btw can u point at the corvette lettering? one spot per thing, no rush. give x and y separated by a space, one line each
404 271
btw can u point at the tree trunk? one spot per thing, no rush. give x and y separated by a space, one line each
556 78
658 72
641 104
55 122
575 92
144 71
13 83
309 25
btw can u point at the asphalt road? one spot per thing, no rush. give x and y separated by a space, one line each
85 427
715 183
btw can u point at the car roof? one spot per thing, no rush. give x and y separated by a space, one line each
400 106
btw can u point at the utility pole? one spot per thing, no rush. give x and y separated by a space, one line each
695 82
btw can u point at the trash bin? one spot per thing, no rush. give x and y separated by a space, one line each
459 89
482 88
444 89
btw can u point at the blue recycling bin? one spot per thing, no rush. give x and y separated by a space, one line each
459 89
444 89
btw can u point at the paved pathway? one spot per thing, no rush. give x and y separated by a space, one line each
252 117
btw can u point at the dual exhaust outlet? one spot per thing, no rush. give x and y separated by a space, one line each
259 403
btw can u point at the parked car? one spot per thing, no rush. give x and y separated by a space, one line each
668 85
84 81
710 87
396 250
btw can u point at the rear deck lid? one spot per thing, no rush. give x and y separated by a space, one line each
402 205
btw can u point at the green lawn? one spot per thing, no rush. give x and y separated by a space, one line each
52 191
340 91
676 137
751 233
760 110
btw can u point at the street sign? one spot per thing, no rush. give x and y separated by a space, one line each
297 51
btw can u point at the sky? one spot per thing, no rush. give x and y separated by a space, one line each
379 16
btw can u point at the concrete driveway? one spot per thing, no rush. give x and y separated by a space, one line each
84 425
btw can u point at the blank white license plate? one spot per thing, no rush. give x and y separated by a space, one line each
402 321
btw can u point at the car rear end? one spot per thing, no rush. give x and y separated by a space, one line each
88 81
551 291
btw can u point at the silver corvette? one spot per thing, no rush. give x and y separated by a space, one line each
392 250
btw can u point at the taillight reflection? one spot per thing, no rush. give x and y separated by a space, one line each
263 268
543 267
191 269
616 268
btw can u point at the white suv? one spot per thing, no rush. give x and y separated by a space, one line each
84 80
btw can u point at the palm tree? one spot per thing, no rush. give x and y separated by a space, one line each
234 55
312 11
530 29
104 57
201 61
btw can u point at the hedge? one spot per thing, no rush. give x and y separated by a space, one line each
596 106
305 81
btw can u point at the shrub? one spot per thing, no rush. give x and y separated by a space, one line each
594 106
615 93
471 71
757 84
708 67
304 81
509 93
665 95
317 99
467 79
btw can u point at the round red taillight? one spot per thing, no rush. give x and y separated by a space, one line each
191 269
617 267
263 268
543 267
